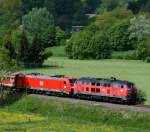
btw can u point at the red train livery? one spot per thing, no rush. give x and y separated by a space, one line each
111 89
39 82
106 88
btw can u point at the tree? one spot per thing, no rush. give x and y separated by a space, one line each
136 5
86 45
80 18
146 7
89 6
22 50
7 44
37 21
143 49
35 55
10 16
100 46
6 61
40 21
48 37
64 11
119 36
139 27
10 13
108 5
60 36
28 5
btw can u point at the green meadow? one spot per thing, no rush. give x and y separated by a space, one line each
32 113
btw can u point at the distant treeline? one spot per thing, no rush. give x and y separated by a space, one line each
28 27
119 26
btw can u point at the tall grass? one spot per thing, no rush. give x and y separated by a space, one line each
52 115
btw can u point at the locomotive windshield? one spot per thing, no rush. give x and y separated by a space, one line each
72 81
131 85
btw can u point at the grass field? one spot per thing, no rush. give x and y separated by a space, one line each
35 114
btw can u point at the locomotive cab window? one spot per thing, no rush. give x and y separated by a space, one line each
98 84
130 85
72 81
65 82
93 83
105 84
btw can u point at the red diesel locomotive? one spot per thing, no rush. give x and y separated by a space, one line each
106 89
99 88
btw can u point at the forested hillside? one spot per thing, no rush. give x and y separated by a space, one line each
28 27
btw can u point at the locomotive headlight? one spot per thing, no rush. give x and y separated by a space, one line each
41 83
65 86
121 90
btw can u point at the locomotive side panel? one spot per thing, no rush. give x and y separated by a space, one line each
102 88
48 84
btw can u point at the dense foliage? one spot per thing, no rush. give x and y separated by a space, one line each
87 45
5 62
109 32
115 28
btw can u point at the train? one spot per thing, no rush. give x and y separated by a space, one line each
103 89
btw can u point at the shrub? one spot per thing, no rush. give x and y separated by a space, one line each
147 59
141 97
86 45
131 55
143 49
119 36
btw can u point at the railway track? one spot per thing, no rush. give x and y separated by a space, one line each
136 108
142 106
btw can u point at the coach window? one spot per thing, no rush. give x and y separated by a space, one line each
12 79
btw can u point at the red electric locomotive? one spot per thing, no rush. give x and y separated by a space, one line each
107 89
39 82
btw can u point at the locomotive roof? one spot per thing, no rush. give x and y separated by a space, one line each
103 80
38 75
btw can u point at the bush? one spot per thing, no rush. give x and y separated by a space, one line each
6 63
86 45
147 59
143 49
141 97
131 55
119 36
